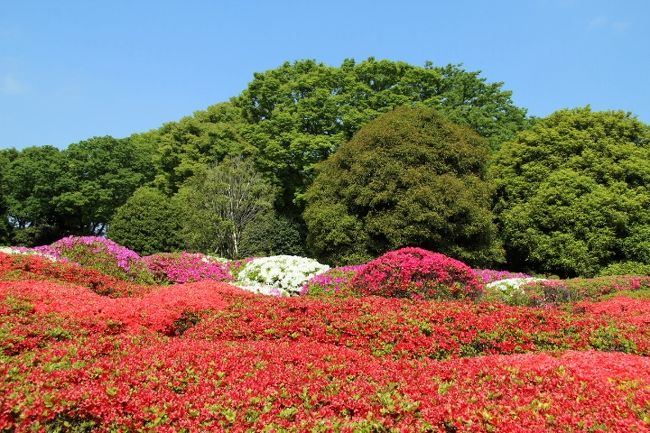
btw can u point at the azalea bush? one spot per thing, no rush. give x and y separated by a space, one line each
491 275
186 267
542 292
208 356
417 273
102 254
278 275
334 282
509 290
35 267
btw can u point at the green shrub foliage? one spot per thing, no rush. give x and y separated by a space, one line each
410 177
149 222
272 235
572 193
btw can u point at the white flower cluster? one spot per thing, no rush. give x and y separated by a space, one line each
278 275
26 252
511 284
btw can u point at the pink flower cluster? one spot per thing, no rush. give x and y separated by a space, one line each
419 274
186 267
490 275
335 281
66 247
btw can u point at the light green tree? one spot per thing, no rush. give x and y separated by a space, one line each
220 203
572 193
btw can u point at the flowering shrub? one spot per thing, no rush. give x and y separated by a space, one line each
549 292
186 267
334 282
207 356
417 273
490 275
281 275
27 252
101 254
35 267
508 291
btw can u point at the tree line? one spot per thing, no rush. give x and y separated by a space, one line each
347 162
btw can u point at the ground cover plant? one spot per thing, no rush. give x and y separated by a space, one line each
83 351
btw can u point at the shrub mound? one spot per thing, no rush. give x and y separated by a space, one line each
419 274
335 282
186 268
16 267
278 275
102 254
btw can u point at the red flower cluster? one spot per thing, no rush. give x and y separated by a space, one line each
419 274
148 384
208 356
31 267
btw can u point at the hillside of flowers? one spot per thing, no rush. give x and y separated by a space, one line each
96 338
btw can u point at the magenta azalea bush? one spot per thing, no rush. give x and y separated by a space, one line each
101 254
186 268
418 274
334 282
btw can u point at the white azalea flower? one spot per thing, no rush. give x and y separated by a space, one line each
283 275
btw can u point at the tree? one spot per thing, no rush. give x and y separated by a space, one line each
221 203
409 178
272 235
100 175
188 146
292 117
31 179
572 193
149 222
5 227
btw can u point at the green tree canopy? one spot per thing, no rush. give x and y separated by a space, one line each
220 203
188 146
294 116
100 175
573 193
31 179
408 178
5 228
149 222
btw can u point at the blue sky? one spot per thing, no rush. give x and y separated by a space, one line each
70 70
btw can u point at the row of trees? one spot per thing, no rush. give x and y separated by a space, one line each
346 163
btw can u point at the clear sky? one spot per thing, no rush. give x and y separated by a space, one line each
70 70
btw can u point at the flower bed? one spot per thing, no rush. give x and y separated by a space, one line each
334 282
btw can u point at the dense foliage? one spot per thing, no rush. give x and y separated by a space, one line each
52 193
410 177
573 193
149 222
220 203
294 116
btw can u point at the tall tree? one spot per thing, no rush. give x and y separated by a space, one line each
292 117
408 178
186 147
31 180
100 175
573 193
221 203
